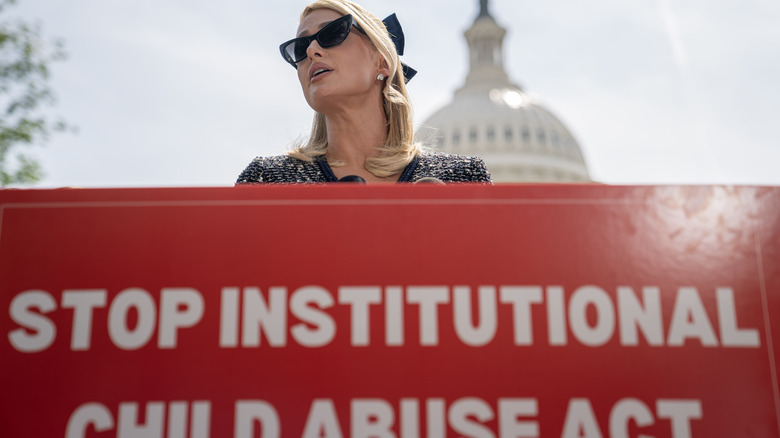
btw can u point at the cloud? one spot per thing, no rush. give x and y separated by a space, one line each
673 34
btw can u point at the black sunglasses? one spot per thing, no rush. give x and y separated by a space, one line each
333 34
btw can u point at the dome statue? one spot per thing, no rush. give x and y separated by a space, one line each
489 116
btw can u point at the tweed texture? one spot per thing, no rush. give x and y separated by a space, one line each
283 169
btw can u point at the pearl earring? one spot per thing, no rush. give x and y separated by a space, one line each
380 77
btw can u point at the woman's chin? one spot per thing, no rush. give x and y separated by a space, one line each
321 97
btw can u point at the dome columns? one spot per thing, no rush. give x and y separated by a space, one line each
490 117
486 41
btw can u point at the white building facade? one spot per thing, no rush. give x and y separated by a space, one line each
490 117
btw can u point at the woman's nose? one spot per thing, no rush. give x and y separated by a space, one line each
314 49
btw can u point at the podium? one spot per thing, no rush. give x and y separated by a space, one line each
403 311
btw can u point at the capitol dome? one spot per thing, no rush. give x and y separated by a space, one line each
490 117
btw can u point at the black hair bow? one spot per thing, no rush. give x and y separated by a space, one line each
397 35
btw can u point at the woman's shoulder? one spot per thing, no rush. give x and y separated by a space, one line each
281 169
451 167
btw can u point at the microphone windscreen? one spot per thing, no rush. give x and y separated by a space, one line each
353 179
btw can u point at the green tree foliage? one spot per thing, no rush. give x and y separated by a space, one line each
24 91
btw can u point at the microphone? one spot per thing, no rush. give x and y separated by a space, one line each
430 180
352 179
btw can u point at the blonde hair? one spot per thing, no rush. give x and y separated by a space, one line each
399 148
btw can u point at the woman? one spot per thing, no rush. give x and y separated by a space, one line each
351 75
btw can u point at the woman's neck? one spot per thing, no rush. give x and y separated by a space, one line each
354 135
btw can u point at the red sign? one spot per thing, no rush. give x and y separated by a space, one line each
390 311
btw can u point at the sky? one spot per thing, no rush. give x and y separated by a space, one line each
186 92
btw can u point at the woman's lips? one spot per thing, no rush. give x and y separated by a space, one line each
319 70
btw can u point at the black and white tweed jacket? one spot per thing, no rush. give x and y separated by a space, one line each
286 169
